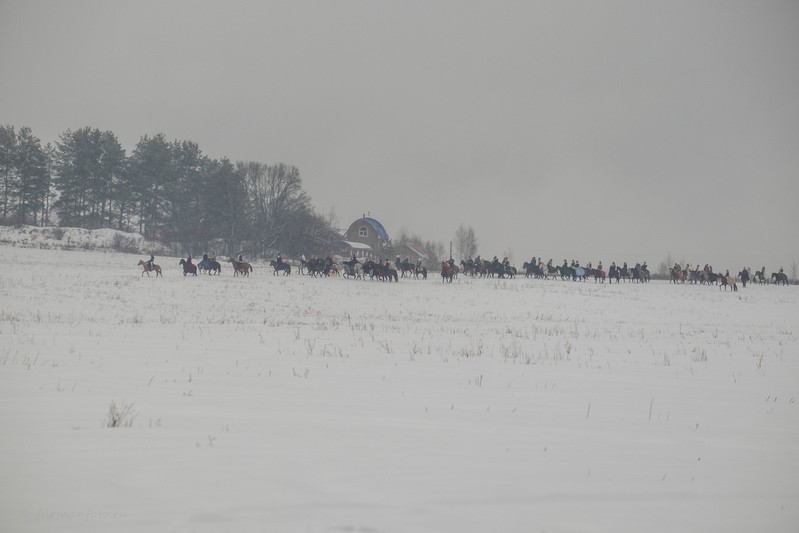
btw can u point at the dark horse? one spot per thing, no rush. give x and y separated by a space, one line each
614 273
280 265
406 268
779 277
209 265
380 271
188 267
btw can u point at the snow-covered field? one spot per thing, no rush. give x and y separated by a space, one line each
294 404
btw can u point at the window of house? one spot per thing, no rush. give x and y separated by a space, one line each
363 231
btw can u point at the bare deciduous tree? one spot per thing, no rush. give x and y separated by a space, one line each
465 242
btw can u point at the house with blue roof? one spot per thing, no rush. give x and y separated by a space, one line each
366 237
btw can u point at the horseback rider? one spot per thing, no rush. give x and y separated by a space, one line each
150 262
188 261
446 269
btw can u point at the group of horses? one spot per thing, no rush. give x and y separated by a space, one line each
410 270
636 274
483 268
207 265
385 271
373 269
708 277
777 278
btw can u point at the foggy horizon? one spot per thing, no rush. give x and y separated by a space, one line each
613 131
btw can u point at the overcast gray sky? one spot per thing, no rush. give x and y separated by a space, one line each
593 130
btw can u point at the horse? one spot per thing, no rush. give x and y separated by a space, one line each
599 275
380 271
406 268
145 270
551 271
322 267
420 271
614 273
744 275
447 272
209 265
353 270
677 275
728 281
779 277
240 267
640 274
529 269
624 272
760 276
188 268
388 273
280 265
468 267
644 273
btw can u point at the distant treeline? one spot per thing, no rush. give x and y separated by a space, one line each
166 190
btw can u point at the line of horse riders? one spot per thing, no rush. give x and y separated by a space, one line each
208 264
706 275
384 270
536 268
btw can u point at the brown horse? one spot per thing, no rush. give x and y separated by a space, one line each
240 267
188 268
156 269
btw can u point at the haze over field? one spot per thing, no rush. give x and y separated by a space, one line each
598 131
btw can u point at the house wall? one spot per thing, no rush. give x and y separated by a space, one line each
362 231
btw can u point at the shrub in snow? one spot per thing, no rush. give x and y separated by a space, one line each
120 417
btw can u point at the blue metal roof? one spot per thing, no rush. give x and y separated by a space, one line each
381 231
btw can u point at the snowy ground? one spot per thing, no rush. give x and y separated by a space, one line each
293 404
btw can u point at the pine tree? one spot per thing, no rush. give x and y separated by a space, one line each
8 171
33 178
151 178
